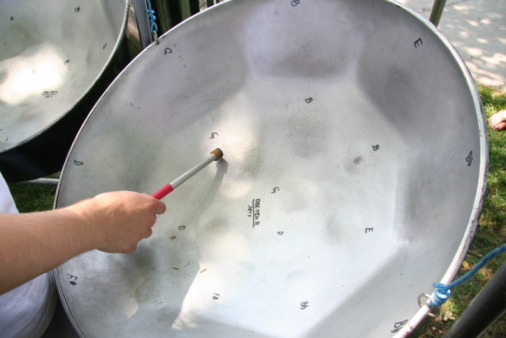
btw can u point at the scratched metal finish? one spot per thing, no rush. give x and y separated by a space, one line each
353 175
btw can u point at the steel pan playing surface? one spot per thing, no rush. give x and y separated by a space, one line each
52 55
353 176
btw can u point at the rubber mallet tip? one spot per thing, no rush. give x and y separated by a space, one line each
218 154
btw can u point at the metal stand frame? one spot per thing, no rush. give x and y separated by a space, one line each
486 307
437 11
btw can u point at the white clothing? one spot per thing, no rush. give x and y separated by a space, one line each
27 310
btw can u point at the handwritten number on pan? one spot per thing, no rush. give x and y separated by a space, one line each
72 279
469 159
399 325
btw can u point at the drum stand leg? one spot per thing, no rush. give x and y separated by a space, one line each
437 11
142 22
486 307
43 181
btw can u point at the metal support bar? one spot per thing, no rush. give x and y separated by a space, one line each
486 307
437 11
142 22
42 181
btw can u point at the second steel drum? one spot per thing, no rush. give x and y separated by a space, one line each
56 59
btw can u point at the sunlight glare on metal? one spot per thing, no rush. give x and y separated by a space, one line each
33 72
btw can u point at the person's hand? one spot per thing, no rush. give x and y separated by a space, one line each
34 243
498 121
120 219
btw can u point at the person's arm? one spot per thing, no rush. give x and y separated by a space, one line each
34 243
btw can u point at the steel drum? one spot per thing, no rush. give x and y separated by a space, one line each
56 59
353 176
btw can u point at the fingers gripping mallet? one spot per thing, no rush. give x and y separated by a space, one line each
216 154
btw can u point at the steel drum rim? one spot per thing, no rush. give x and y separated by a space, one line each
452 270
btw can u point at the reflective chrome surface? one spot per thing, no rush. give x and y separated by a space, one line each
51 55
353 176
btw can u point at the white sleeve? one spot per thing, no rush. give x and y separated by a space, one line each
27 310
7 205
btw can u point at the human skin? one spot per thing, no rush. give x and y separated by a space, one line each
34 243
498 121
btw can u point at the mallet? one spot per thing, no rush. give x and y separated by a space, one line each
216 154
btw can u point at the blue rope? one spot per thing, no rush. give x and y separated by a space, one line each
443 291
151 14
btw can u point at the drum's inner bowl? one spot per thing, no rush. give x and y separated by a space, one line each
343 161
50 56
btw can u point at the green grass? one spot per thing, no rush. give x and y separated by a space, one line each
30 198
490 234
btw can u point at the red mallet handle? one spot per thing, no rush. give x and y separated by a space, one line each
164 191
216 154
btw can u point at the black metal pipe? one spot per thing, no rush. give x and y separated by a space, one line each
487 306
437 11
